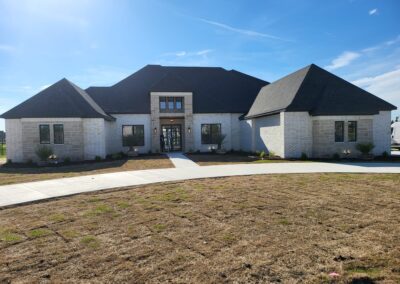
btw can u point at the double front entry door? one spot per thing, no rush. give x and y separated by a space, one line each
172 137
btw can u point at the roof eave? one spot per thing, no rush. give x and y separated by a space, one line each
264 114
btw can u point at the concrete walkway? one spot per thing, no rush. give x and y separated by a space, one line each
28 192
181 161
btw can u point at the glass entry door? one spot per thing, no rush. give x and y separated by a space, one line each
172 137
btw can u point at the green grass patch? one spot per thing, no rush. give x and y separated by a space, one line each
38 233
176 195
3 151
123 205
9 236
90 241
371 272
57 217
285 222
159 227
99 210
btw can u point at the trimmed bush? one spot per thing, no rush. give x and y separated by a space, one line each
262 155
336 156
365 148
97 158
44 152
303 156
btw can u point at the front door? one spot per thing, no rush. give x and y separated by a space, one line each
172 137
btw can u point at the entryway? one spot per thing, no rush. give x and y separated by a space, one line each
172 137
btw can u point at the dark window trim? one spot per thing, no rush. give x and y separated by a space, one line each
54 133
133 133
342 140
356 129
201 133
40 134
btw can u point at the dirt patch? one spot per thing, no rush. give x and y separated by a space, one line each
271 228
10 175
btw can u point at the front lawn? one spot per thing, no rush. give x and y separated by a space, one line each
251 229
22 173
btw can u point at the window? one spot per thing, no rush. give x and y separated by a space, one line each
209 133
58 130
171 104
339 131
178 103
132 135
352 131
44 132
163 103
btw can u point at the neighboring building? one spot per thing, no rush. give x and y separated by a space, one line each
310 111
396 133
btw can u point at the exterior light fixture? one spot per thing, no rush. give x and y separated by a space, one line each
171 120
155 130
189 130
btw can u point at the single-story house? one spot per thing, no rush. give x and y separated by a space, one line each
186 109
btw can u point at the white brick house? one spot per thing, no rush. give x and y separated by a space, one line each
185 108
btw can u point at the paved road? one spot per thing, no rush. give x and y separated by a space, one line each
27 192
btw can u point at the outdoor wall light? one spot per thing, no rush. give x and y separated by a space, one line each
189 130
155 130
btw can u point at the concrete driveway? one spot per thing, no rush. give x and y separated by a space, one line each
33 191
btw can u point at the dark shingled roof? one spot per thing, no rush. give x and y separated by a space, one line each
317 91
62 99
215 90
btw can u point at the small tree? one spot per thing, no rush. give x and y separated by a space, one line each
365 148
220 140
44 152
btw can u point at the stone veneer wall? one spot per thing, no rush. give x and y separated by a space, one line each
156 115
297 134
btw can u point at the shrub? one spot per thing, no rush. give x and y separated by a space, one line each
43 152
220 140
67 160
262 155
116 156
97 158
303 156
365 148
336 156
271 154
385 154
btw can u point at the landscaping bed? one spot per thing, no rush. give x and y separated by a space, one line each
251 229
17 173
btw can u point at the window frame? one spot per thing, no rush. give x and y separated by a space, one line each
133 126
342 134
355 132
54 133
171 102
210 142
40 134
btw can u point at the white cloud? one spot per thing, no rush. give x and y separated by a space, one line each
44 87
373 12
385 85
242 31
343 59
204 52
183 53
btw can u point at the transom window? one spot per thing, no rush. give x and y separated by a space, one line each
58 130
339 131
44 133
210 133
352 131
171 104
132 135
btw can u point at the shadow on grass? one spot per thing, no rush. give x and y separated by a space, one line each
75 167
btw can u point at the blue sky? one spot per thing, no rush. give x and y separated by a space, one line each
98 42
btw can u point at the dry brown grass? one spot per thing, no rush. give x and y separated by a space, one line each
271 228
9 174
